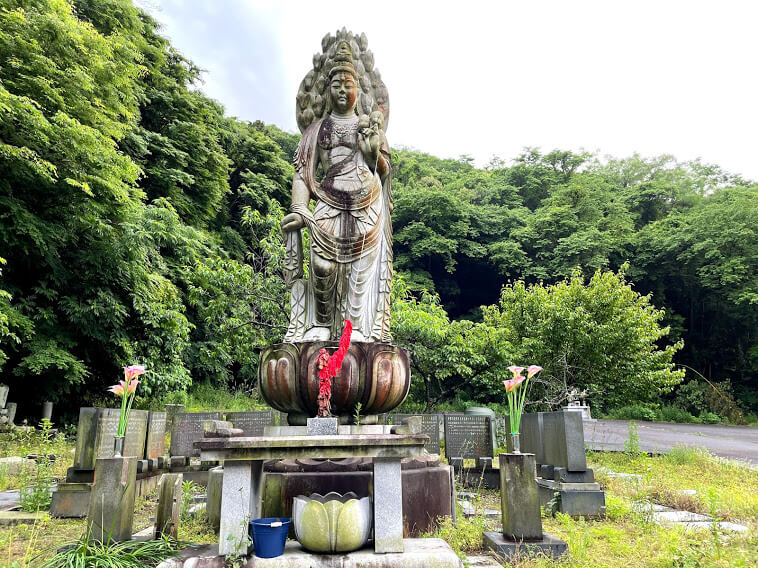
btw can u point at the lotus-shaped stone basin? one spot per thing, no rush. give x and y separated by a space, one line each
332 522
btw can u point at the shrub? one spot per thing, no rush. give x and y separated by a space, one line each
675 414
634 412
598 335
710 418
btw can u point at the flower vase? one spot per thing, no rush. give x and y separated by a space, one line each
515 445
118 446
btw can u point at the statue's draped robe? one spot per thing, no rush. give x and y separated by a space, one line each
350 229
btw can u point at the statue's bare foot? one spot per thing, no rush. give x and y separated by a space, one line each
317 334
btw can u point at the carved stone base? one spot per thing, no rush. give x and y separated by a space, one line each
375 374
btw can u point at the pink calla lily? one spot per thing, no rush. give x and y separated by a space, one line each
515 370
133 371
516 400
127 389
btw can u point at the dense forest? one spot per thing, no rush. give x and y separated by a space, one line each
138 223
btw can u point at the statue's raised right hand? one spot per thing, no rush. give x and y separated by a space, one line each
292 222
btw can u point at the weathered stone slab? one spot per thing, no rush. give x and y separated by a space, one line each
13 465
519 497
388 506
11 406
171 411
548 545
155 444
322 426
563 440
251 423
111 507
574 499
240 499
4 390
70 500
430 425
188 429
468 436
97 430
564 476
531 436
213 502
169 505
418 553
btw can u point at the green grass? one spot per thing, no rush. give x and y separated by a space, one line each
627 537
204 397
21 443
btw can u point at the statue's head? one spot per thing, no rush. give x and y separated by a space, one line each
343 80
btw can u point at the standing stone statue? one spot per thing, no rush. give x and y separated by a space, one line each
343 164
342 197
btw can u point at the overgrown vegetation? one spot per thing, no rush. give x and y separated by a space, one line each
627 537
140 224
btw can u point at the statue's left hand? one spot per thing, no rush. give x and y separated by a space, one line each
369 141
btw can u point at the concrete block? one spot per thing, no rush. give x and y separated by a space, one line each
563 475
70 500
388 505
111 506
169 505
531 436
213 503
519 497
563 439
546 545
574 499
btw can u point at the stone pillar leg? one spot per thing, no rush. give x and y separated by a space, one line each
388 505
519 497
240 502
213 504
169 505
111 506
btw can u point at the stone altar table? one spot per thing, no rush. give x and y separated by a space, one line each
243 475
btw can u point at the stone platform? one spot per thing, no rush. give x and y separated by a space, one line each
549 546
418 553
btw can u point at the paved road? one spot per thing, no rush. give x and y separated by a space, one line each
736 442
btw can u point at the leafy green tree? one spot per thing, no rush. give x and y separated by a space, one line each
601 336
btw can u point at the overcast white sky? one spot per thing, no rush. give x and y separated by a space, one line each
488 78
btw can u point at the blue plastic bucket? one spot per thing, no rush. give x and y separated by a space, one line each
269 540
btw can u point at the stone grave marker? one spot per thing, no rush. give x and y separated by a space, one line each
251 423
531 436
563 440
430 425
155 445
188 429
169 505
96 431
468 436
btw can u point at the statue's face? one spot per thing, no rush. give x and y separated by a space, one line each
343 92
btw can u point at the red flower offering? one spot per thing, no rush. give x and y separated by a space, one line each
329 367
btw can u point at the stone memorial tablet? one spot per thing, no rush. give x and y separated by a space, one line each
155 445
430 425
468 436
563 440
531 436
97 430
188 429
251 423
